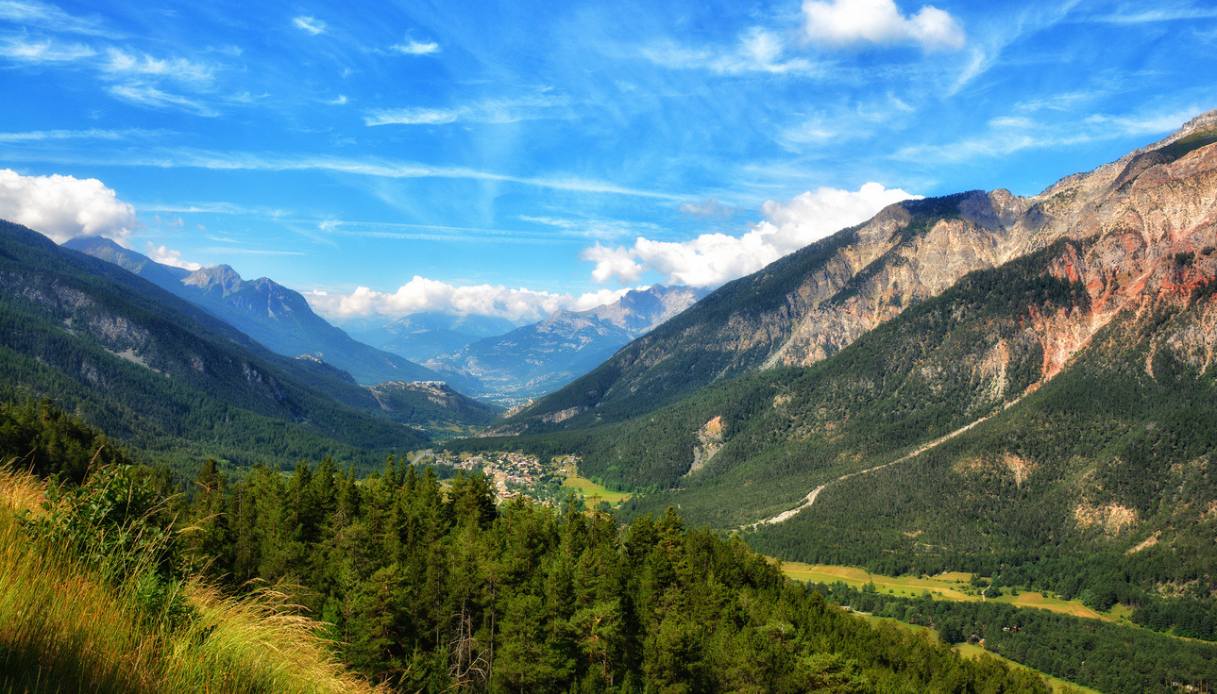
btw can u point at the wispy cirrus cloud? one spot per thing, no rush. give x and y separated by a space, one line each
153 97
1008 135
43 15
1142 13
88 134
27 50
412 47
490 111
757 51
123 63
309 25
186 158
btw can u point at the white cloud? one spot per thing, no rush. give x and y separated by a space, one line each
709 208
154 97
90 134
758 51
340 100
412 47
845 22
310 25
62 207
124 63
40 14
715 258
424 294
168 256
411 116
43 51
613 263
1008 135
499 111
169 158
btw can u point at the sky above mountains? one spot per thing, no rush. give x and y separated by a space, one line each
519 157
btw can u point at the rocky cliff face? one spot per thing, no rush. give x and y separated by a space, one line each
1144 227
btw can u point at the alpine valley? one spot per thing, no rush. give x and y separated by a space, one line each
645 419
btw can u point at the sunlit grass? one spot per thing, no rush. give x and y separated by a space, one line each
65 626
953 585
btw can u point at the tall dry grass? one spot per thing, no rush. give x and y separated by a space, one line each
64 627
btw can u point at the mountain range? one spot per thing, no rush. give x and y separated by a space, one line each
538 358
423 336
1018 387
171 378
270 313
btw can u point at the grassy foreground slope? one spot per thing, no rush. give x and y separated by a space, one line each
93 617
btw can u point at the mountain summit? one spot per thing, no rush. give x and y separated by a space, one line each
272 314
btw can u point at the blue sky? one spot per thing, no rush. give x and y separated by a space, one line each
447 156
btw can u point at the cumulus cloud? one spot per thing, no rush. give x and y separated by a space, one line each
715 258
613 263
168 256
424 294
309 25
846 22
64 206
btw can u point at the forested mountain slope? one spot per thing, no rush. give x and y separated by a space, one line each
277 317
1050 420
121 583
812 303
165 375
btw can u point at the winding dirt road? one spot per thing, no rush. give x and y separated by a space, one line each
815 493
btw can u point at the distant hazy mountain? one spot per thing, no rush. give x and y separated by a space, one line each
272 314
538 358
423 336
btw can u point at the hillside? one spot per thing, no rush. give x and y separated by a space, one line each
419 588
1046 420
165 375
537 358
816 301
275 316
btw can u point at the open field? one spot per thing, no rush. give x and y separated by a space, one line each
953 585
591 492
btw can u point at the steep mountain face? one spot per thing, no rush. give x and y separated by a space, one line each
813 303
423 336
272 314
540 357
162 373
1049 419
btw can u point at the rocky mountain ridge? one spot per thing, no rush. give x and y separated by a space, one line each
279 318
811 304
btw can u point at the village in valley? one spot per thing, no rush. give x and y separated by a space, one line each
515 474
